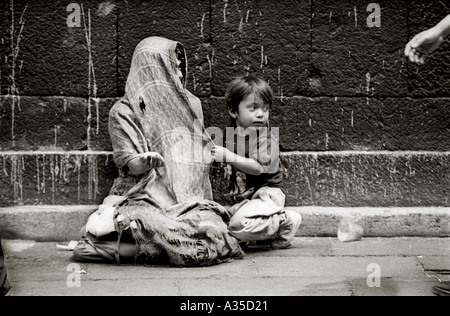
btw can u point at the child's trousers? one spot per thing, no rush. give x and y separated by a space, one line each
263 217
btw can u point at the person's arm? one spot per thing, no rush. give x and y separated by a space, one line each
246 165
444 26
427 41
145 162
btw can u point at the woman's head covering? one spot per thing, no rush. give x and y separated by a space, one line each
158 114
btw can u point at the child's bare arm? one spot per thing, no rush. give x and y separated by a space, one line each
144 162
246 165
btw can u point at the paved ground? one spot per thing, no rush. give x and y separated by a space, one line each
313 266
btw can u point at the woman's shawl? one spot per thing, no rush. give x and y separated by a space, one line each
158 114
172 204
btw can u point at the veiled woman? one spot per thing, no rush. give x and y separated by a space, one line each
163 195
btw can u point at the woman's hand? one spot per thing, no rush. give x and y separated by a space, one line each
152 159
145 162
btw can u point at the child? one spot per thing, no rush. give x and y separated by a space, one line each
255 181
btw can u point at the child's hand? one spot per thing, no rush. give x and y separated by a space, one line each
152 159
219 153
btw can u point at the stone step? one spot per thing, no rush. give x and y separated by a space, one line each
341 179
60 178
63 223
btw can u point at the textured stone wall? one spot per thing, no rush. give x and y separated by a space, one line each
359 125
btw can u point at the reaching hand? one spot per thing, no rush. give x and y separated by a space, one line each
152 159
423 43
219 153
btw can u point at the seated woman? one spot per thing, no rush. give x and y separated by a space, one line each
160 207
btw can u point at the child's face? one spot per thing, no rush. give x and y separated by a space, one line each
251 112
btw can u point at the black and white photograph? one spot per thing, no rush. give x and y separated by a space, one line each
228 154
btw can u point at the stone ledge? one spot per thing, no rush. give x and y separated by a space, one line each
343 178
63 223
377 221
44 223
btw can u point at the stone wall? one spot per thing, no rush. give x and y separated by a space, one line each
359 124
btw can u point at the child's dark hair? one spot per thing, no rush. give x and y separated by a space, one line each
241 87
